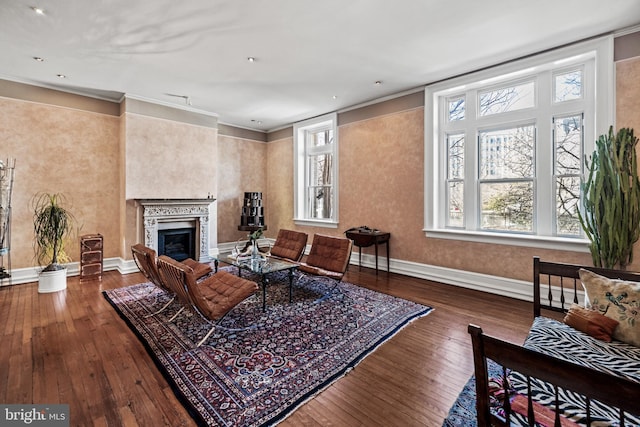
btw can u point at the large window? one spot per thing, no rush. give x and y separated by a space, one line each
505 147
316 171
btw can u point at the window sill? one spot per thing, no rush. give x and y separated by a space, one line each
315 223
531 241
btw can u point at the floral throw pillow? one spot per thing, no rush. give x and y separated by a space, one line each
616 299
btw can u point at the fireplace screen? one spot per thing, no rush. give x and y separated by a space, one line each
178 243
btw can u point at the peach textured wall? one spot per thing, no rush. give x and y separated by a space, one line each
169 159
128 235
242 168
628 113
381 179
61 150
279 186
165 159
628 94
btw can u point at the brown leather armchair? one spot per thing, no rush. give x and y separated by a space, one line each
212 298
329 257
146 259
289 244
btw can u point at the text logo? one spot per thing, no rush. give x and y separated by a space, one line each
34 415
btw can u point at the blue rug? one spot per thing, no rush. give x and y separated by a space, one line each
278 360
463 412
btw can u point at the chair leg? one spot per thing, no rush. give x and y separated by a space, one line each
330 292
162 309
176 315
217 325
326 294
206 337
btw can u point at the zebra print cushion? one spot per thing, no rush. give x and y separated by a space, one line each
562 341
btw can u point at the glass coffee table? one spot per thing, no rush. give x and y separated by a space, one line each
262 266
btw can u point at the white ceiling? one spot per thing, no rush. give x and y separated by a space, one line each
307 51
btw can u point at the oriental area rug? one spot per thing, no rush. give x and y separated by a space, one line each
258 367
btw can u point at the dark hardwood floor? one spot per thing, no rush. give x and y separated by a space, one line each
71 347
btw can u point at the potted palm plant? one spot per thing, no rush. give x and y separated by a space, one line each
52 225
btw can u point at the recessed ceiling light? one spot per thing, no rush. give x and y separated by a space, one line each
37 58
37 10
335 97
62 76
251 59
256 121
378 83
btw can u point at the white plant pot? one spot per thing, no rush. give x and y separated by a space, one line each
52 281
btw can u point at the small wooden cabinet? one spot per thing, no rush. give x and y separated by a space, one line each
91 246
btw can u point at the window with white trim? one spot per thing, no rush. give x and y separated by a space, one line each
316 165
505 147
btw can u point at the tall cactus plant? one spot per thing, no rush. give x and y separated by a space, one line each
611 207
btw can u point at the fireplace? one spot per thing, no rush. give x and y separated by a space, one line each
178 243
178 228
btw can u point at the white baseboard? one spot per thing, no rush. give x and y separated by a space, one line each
518 289
30 274
512 288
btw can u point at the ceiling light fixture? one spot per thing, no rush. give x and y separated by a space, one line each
251 59
37 10
62 76
378 83
256 121
39 59
335 97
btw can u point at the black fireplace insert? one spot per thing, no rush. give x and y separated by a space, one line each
178 243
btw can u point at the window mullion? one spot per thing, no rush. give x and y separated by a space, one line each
471 198
544 189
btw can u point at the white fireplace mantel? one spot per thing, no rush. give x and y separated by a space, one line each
162 213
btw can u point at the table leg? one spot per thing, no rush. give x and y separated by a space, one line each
359 258
290 286
387 256
264 293
376 245
215 263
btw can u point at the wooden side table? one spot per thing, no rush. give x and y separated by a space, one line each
363 238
